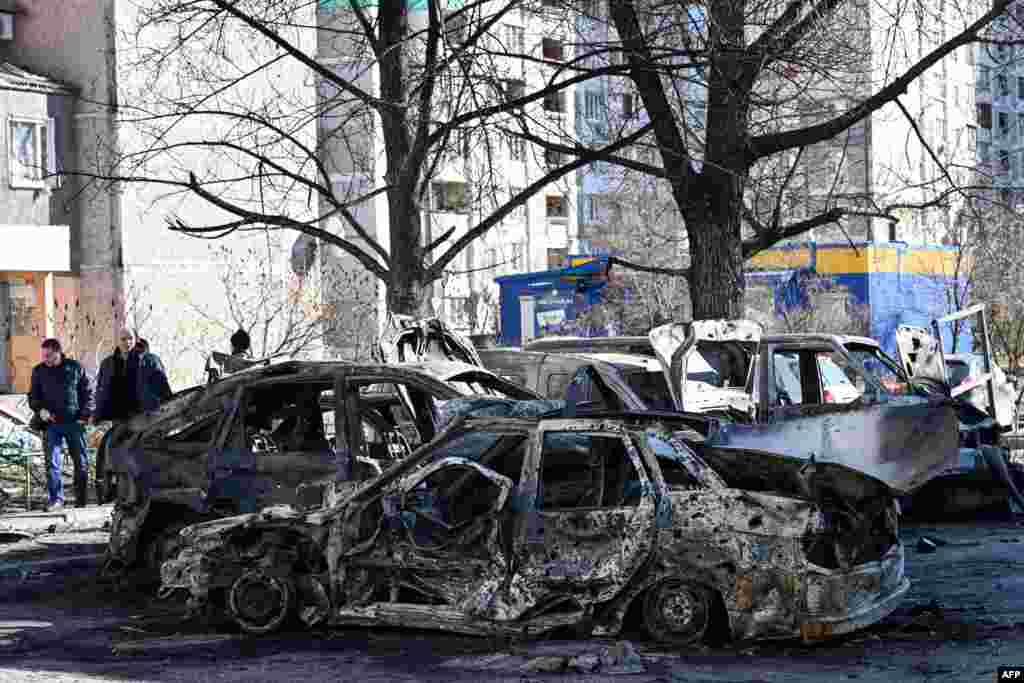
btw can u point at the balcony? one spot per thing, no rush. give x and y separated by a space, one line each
36 248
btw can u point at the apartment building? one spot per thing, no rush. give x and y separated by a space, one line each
615 205
36 255
1000 108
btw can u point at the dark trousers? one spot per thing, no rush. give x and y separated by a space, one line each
74 434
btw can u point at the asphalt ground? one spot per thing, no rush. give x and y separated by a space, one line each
963 617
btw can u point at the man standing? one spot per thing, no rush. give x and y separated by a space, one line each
116 386
152 385
62 396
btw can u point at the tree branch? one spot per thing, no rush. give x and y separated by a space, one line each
229 6
437 268
284 222
765 145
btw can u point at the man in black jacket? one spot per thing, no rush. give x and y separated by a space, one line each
152 385
61 394
117 384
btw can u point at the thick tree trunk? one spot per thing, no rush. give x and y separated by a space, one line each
714 215
409 294
408 289
716 267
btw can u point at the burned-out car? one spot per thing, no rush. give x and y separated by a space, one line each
281 434
594 381
522 525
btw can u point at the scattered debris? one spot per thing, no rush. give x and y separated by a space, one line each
545 664
585 664
935 540
621 658
149 645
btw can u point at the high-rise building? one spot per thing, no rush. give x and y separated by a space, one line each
1000 108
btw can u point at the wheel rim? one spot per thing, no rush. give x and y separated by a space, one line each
260 603
677 612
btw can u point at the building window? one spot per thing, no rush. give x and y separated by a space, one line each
516 148
557 206
557 258
1020 126
555 102
983 151
1004 123
627 104
514 90
970 55
553 158
1004 162
985 116
1004 85
553 49
984 74
31 153
451 197
515 37
972 138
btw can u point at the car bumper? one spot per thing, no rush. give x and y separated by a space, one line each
839 602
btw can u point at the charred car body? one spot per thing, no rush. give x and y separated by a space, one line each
519 526
281 434
593 381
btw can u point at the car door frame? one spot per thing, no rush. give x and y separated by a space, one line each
528 537
348 406
808 345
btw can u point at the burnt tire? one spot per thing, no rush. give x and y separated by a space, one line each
260 603
676 612
161 545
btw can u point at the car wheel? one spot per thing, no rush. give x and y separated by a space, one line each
676 612
260 603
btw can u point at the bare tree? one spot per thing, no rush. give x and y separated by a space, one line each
786 87
214 114
284 314
998 279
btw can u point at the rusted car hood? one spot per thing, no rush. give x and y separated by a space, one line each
675 343
902 443
410 340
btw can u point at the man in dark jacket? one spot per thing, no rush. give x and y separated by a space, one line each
152 387
61 395
117 395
